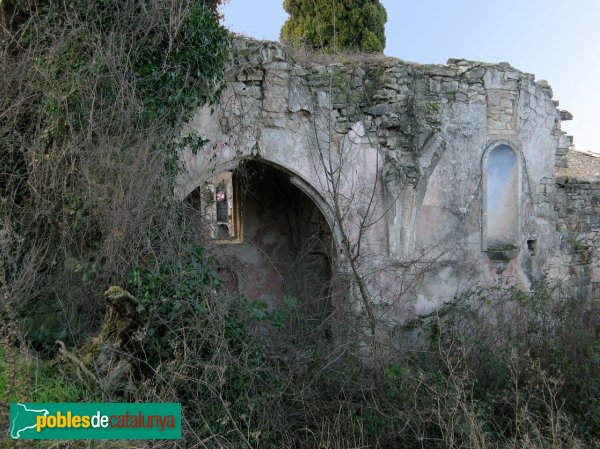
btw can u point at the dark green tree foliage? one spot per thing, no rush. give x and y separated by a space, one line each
336 24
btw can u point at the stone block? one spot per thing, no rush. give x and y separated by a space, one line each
378 110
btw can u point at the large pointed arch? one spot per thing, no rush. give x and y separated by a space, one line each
284 247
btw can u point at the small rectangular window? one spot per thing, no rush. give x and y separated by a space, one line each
216 208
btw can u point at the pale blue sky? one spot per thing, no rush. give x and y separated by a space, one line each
557 40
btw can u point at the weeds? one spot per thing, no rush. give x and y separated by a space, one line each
498 370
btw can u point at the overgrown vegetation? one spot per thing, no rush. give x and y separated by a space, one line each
92 95
91 98
495 369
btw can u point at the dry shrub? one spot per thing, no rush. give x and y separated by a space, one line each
91 98
511 369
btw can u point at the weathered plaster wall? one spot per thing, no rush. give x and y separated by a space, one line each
394 155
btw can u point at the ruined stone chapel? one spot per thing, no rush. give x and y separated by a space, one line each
412 182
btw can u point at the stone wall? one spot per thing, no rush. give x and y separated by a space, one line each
573 204
395 156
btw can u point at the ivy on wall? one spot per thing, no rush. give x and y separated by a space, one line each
92 97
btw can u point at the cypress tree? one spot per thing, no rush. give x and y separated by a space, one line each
336 24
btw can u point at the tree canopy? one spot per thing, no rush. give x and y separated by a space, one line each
336 24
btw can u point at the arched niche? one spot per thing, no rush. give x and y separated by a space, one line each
501 205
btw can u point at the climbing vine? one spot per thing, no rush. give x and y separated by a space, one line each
92 96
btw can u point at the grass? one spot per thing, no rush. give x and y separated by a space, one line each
41 381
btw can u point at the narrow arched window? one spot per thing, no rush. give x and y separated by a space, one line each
502 200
